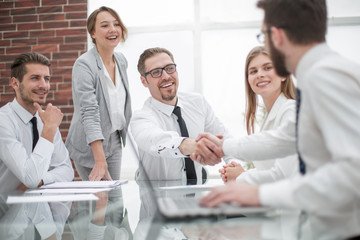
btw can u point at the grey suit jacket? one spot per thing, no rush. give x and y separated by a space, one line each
91 120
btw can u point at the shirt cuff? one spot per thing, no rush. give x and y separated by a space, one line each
48 178
172 148
241 178
244 178
44 148
278 194
230 146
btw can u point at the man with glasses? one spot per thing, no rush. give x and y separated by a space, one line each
166 127
327 128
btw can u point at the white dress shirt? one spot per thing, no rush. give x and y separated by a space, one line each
18 163
117 96
329 137
157 134
281 113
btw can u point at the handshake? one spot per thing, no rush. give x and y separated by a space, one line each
206 149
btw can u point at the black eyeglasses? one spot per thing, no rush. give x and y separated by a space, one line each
157 72
261 36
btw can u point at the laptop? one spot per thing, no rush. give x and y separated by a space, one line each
186 205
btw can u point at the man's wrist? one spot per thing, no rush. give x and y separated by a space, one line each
49 133
187 146
41 183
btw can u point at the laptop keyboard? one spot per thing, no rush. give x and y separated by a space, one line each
181 203
186 203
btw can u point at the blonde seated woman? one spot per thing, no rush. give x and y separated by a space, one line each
278 94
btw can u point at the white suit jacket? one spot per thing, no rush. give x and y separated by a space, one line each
281 113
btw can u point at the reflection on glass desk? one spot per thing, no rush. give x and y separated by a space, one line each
129 212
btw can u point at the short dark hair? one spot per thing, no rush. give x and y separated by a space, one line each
304 21
18 69
90 23
148 53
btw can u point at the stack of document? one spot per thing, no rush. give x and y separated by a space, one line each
66 191
84 185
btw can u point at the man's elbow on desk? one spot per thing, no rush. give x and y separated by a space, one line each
25 186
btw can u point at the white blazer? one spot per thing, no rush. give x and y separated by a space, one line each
283 111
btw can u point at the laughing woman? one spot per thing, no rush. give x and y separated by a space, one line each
278 95
102 108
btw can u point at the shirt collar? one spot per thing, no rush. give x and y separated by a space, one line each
309 58
106 73
23 114
164 108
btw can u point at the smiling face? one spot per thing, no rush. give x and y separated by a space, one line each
262 77
107 31
164 88
34 86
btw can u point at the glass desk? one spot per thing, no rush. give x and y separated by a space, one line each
128 212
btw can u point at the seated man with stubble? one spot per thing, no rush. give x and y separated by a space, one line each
166 127
32 152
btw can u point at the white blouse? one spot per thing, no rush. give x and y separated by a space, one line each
117 96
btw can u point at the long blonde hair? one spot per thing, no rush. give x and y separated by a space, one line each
287 88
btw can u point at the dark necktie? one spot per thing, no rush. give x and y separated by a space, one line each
189 164
298 102
35 132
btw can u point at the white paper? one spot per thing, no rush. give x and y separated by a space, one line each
85 184
211 183
50 198
68 190
185 187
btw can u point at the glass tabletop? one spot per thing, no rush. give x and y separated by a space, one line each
130 212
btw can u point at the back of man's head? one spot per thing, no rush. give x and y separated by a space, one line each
304 21
18 68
